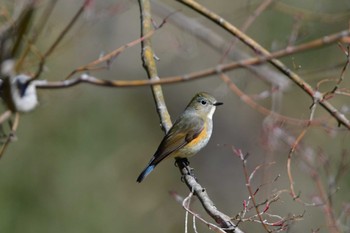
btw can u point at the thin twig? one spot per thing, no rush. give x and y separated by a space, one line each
36 32
204 73
109 57
208 36
220 218
329 215
250 102
261 8
186 205
323 17
341 78
250 191
307 88
14 128
59 39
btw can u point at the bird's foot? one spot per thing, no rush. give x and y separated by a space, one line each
184 163
181 162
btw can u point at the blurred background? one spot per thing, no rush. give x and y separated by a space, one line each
74 164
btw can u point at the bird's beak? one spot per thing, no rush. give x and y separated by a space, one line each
218 103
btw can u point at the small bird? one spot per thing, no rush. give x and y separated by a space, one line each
19 94
188 135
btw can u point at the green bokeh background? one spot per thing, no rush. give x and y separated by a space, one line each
76 158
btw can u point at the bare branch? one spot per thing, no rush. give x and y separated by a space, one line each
10 136
149 64
59 39
220 218
260 50
217 42
207 72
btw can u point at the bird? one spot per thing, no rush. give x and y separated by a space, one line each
188 135
19 94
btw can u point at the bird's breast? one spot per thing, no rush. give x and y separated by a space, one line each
198 143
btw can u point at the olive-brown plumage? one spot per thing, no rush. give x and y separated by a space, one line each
189 133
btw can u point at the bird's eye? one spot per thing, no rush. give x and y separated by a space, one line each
203 102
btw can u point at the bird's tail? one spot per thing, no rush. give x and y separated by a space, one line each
145 173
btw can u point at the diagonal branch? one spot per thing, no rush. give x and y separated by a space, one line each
342 120
222 219
207 35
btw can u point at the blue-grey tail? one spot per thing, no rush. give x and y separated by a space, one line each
145 173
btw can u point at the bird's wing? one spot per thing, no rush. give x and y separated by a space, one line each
178 137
